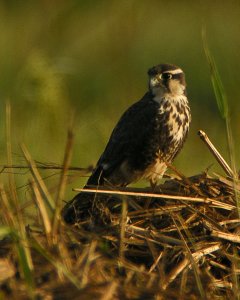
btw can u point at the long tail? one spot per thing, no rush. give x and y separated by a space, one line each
76 209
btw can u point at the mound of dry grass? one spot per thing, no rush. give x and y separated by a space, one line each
179 242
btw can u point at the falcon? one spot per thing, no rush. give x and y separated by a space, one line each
149 134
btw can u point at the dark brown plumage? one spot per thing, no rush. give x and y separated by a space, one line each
150 133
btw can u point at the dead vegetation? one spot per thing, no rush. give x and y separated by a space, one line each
180 241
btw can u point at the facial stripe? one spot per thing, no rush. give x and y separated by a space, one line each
177 76
177 71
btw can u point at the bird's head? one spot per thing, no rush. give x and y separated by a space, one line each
167 79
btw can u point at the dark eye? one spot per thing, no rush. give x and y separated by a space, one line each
165 76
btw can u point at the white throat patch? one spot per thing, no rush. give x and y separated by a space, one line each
176 88
160 95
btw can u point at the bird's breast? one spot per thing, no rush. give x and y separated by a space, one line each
173 122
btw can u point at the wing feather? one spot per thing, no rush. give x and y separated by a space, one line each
129 134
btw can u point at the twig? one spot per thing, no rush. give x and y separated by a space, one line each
46 167
216 154
235 238
194 265
123 222
208 201
185 179
185 262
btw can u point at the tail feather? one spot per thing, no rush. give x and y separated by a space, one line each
79 206
96 178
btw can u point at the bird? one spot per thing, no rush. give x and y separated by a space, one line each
146 139
150 133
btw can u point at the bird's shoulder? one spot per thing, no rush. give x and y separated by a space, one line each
134 121
137 115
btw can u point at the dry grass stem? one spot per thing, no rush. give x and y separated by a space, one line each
226 236
207 201
62 183
43 166
110 291
38 179
42 209
216 153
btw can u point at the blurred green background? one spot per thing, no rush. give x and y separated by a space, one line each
92 57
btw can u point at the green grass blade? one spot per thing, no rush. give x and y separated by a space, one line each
26 268
222 103
218 87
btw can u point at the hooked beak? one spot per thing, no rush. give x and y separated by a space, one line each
155 82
